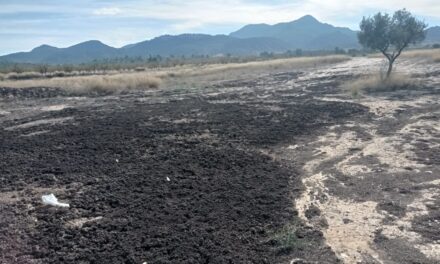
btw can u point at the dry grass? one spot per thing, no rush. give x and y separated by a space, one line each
200 76
290 63
109 84
54 74
277 64
430 55
371 84
150 79
93 84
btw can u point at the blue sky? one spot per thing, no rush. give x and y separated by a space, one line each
25 24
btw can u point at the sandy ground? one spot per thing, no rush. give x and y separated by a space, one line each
326 178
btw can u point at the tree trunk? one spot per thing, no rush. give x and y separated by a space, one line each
390 68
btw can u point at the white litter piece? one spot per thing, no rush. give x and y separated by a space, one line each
52 200
168 179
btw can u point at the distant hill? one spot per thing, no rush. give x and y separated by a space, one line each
79 53
433 35
201 44
37 54
306 33
84 52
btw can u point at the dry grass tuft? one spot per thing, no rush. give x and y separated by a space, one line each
371 84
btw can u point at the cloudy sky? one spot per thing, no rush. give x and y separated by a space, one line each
25 24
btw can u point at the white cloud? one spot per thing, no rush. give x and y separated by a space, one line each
107 11
216 12
359 8
193 14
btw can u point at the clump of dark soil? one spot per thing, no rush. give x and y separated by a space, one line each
312 211
393 208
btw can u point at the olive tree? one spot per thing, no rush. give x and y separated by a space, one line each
391 35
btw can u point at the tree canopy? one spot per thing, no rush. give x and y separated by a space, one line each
391 34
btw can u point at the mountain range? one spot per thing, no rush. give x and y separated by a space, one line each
306 33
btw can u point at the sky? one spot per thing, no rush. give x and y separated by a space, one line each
25 24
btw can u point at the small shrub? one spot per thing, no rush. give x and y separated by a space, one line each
23 75
355 93
43 68
286 238
58 74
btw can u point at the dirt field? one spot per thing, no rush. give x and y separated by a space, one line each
278 168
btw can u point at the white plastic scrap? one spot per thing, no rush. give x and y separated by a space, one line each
52 200
168 179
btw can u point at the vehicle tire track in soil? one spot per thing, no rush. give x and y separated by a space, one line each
225 202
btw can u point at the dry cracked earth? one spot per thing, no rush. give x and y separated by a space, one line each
281 168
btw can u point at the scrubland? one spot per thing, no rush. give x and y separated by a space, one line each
147 79
196 76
